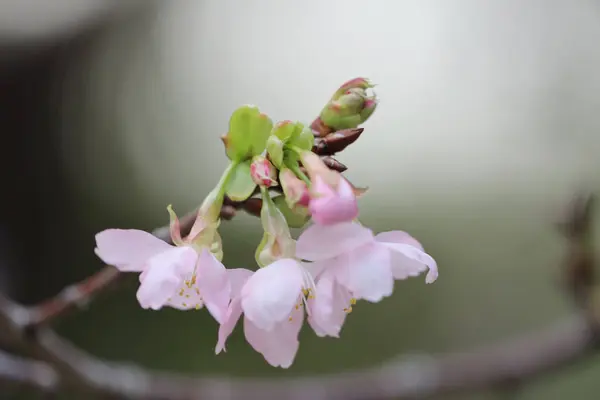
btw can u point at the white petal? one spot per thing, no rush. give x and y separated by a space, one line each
162 279
271 293
320 242
128 249
411 261
367 273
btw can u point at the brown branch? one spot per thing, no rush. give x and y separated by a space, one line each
514 361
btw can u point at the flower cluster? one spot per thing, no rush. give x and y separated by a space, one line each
319 277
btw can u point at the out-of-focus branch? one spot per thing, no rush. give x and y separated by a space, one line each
18 370
56 364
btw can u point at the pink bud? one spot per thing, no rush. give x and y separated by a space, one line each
331 205
263 173
332 198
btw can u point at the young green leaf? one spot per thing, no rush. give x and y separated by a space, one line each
240 186
248 133
303 139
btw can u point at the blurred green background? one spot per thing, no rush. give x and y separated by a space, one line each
487 125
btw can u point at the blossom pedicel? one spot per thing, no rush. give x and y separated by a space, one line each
318 279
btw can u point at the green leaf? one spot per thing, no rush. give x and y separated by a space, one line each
293 219
248 133
275 150
303 138
260 130
240 185
284 130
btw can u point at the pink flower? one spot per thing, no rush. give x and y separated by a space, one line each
332 198
351 263
272 302
179 277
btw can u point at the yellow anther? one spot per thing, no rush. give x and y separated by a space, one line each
353 301
197 291
184 304
290 319
198 306
348 310
187 296
181 292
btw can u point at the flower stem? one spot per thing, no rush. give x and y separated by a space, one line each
210 210
295 168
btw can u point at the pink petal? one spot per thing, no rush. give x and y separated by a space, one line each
230 321
128 249
398 237
327 310
319 242
271 293
315 268
328 207
279 345
237 278
409 260
366 273
213 282
162 278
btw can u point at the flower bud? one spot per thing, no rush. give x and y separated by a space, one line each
350 106
332 199
263 173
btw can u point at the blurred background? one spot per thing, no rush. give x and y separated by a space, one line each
488 124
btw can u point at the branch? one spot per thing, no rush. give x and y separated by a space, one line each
62 365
